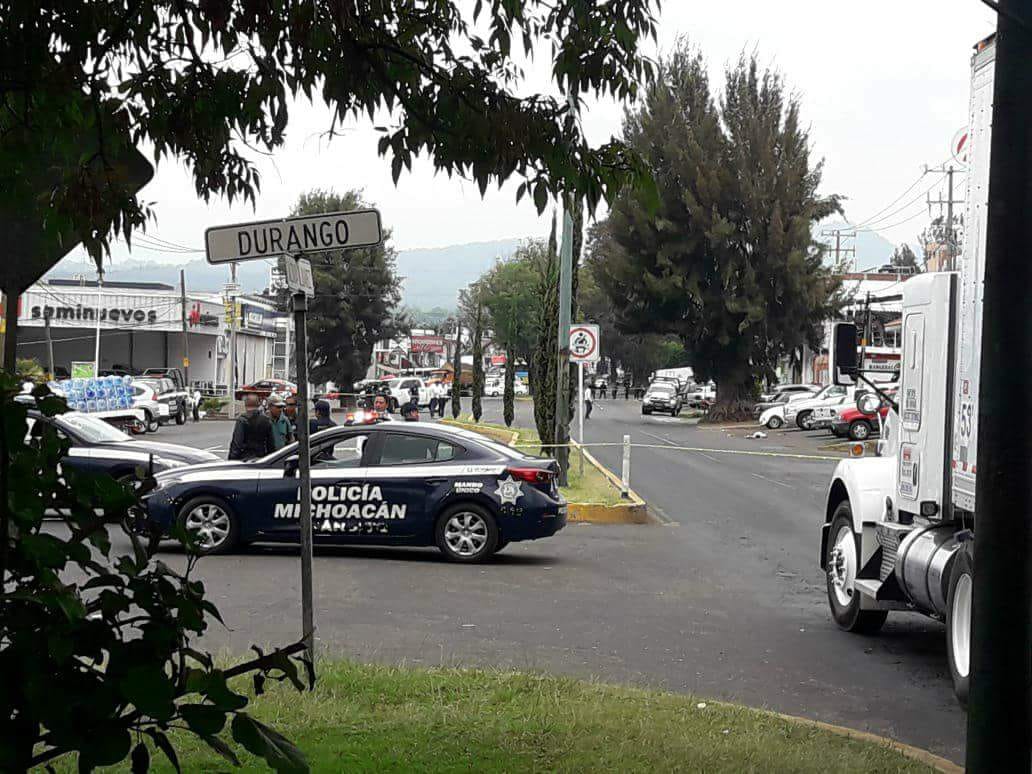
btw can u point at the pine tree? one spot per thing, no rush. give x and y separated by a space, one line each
478 358
509 393
456 388
725 260
546 354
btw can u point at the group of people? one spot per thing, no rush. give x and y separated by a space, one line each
439 393
257 433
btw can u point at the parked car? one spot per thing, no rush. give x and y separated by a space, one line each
267 387
801 411
772 395
773 417
661 396
856 425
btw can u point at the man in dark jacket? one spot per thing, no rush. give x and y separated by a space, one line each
252 433
322 417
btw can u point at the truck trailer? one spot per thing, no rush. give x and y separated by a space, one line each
899 527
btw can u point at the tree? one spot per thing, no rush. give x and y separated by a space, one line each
98 649
509 389
727 261
206 80
456 387
471 307
637 354
903 256
357 298
545 359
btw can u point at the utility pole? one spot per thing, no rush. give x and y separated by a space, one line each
186 337
562 382
304 466
1000 694
96 348
949 201
839 233
50 346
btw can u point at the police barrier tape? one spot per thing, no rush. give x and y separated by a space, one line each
674 447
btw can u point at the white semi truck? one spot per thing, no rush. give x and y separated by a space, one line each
898 527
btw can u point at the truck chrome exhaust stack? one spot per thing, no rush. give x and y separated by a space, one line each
923 565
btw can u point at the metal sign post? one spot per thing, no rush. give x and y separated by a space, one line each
291 238
304 473
580 416
583 340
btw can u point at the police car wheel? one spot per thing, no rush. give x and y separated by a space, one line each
212 524
181 416
467 533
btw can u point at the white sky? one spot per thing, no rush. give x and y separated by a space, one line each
883 84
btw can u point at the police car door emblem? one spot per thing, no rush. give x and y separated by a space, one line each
509 491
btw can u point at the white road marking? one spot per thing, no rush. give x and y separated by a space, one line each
771 480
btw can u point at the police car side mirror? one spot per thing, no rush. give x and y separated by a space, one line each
290 467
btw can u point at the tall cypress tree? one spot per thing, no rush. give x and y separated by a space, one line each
725 260
546 355
456 388
478 356
509 393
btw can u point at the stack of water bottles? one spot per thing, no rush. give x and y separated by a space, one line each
100 393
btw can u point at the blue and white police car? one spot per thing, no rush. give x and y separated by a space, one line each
381 483
94 446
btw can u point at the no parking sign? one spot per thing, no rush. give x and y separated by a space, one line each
584 343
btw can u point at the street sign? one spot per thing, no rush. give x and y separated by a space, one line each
584 343
299 275
305 234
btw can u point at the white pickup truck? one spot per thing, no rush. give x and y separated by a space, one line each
402 389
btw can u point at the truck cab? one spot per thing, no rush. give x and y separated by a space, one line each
898 529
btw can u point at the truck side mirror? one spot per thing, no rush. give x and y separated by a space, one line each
842 356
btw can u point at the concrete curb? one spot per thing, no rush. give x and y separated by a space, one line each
914 753
635 511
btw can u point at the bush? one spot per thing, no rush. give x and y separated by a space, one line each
213 405
97 650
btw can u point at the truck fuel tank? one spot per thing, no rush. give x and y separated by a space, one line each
923 565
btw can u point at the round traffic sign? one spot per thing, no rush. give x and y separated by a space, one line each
583 342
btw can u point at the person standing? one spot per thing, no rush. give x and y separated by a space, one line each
252 433
282 428
589 400
322 418
290 412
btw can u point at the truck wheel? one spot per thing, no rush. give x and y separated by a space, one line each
843 563
645 412
181 416
151 422
805 420
958 622
860 430
775 422
212 523
467 533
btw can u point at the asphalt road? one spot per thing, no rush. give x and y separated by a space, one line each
725 601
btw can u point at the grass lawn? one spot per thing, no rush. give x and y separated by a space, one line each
591 487
377 718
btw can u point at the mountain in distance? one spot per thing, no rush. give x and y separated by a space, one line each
431 277
872 249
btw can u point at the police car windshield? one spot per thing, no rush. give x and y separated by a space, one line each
661 388
91 429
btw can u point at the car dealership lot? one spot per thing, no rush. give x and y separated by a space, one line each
727 602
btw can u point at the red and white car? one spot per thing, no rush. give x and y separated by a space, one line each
267 387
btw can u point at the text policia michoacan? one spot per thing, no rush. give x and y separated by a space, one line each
339 503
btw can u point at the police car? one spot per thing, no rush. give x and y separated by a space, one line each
380 483
97 447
